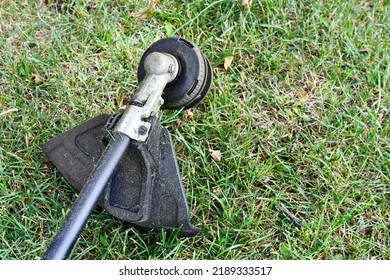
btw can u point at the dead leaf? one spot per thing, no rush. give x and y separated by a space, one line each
296 111
179 123
179 148
228 62
216 154
380 117
246 3
144 14
152 6
192 129
36 79
189 114
129 56
303 95
141 14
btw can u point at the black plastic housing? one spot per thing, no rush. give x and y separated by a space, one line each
145 189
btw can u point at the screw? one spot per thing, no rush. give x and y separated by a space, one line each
142 130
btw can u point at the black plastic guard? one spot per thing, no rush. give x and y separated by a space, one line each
145 190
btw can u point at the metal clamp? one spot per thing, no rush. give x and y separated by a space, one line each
161 69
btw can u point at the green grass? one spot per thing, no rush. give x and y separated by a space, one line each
301 119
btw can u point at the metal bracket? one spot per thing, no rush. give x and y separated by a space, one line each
161 69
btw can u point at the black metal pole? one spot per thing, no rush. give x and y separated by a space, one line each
84 205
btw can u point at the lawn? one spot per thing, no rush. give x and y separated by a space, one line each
287 157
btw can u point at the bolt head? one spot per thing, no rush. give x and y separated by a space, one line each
142 130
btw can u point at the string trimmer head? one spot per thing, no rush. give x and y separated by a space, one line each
126 162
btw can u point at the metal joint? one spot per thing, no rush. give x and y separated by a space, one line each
161 69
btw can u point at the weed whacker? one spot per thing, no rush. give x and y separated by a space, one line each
126 162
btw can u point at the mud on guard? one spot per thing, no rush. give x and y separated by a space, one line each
126 162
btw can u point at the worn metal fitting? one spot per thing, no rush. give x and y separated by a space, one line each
161 69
